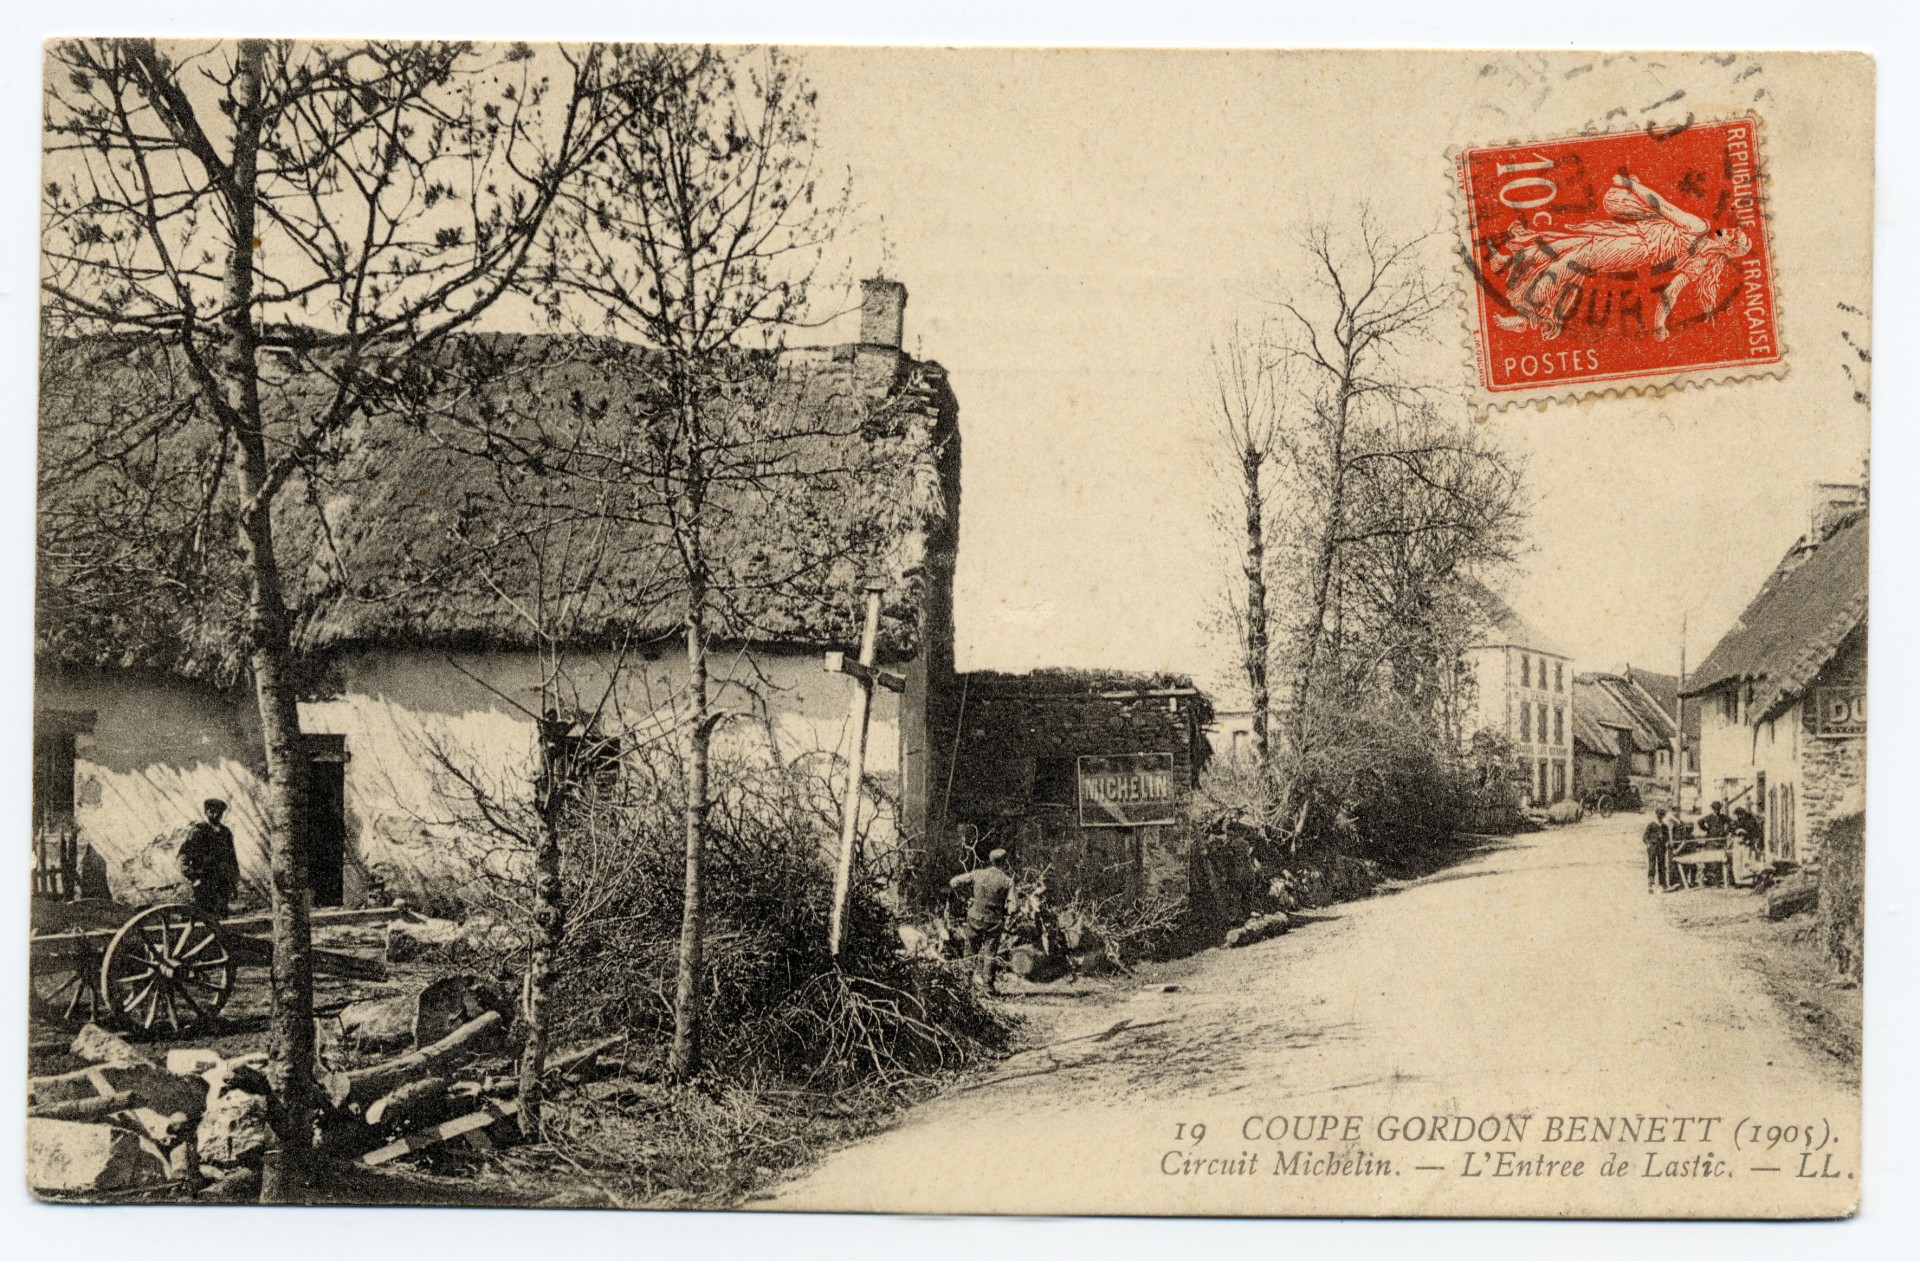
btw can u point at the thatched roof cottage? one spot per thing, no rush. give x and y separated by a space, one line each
477 552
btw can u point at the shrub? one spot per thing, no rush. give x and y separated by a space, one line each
775 1003
1838 918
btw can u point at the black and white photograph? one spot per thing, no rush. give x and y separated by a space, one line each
950 630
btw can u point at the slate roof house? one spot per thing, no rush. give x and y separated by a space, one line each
418 603
1783 694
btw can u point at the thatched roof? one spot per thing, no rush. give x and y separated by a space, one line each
1589 732
1616 702
501 493
1793 627
1665 691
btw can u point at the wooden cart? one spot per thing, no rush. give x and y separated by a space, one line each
169 969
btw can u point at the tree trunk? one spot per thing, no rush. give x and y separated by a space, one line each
1323 561
684 1057
290 1025
549 923
1251 462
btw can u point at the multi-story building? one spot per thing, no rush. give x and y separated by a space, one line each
1522 688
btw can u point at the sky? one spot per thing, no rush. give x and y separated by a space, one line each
1074 227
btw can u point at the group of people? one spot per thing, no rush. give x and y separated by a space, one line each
1668 837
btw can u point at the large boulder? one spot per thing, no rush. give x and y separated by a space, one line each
234 1130
102 1047
67 1157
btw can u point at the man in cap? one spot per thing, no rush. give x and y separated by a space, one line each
207 860
1657 837
986 912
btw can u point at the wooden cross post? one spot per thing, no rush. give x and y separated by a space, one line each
864 677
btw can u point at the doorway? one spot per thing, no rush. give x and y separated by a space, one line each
326 822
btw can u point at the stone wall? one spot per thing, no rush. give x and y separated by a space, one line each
1014 781
1833 770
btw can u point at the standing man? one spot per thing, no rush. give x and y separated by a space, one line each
986 912
1657 837
207 861
1716 826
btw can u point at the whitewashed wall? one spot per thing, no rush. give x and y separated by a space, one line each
159 748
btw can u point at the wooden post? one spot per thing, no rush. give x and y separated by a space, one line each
1679 723
864 676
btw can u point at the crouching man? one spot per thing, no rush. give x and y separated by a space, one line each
986 913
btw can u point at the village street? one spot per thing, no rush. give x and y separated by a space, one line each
1536 978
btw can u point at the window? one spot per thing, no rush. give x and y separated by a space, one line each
1559 679
1541 719
1526 724
1526 670
575 759
1560 724
1730 705
1559 780
1540 782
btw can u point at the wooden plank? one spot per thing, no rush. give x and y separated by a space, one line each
368 1084
258 952
572 1060
237 924
434 1136
326 915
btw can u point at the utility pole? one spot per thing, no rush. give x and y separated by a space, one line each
864 677
1679 719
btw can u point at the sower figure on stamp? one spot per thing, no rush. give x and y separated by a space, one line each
207 860
1657 838
1548 269
986 912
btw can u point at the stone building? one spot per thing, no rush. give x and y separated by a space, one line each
1783 694
1086 775
1520 687
421 621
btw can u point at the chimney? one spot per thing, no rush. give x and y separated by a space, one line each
1833 503
883 312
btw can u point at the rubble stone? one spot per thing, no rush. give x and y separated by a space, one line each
192 1061
234 1130
102 1047
80 1156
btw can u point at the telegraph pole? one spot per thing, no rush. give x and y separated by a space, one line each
864 677
1679 719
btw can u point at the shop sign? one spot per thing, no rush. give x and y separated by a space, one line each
1127 790
1840 711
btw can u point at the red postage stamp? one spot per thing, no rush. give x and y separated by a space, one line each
1637 257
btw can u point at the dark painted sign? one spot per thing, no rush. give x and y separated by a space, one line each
1840 711
1127 790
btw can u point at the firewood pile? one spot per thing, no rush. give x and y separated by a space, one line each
195 1124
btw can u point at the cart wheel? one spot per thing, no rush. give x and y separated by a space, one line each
167 968
66 980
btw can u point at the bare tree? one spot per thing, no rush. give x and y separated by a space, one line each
293 223
1344 329
1244 392
1433 503
698 233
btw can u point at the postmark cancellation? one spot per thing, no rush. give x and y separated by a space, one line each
1634 260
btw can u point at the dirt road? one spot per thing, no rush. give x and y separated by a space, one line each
1383 1057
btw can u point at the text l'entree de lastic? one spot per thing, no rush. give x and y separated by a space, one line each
1527 1145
